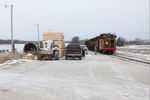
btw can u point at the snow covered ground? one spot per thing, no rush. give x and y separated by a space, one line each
11 62
96 77
135 51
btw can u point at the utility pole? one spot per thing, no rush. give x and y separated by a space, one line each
12 39
38 33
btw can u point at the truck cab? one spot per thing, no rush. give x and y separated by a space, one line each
49 51
73 51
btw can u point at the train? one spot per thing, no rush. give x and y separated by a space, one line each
104 43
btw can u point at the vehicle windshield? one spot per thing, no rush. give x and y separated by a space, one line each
73 47
83 46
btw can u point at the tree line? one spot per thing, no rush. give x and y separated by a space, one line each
15 41
122 41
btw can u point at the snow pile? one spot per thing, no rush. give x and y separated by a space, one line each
29 56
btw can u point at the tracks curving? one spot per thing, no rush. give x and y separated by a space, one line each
119 56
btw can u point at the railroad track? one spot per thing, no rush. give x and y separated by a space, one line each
123 57
131 59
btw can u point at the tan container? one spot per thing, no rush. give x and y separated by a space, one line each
58 38
61 45
53 36
61 52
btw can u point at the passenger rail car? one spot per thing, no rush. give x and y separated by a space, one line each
104 43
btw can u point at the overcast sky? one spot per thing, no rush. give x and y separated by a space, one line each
84 18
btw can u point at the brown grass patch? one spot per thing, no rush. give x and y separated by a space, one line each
6 57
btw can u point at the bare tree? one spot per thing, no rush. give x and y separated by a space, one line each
139 41
120 41
83 41
75 40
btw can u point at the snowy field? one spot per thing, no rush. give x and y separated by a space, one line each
96 77
141 52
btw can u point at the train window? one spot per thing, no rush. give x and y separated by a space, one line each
112 41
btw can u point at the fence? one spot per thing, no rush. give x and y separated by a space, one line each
4 51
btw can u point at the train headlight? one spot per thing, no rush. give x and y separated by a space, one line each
106 43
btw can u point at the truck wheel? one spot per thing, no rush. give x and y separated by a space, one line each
83 54
66 57
39 56
80 58
56 55
112 52
56 58
49 57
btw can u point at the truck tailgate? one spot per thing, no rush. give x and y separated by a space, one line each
73 51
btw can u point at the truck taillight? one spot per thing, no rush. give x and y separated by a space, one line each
66 50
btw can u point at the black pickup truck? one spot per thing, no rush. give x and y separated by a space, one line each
73 51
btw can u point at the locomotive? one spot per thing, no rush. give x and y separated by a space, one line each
104 43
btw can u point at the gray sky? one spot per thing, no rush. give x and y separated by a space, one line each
84 18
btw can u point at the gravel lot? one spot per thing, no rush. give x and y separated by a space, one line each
96 77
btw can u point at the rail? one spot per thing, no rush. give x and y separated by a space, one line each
131 59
